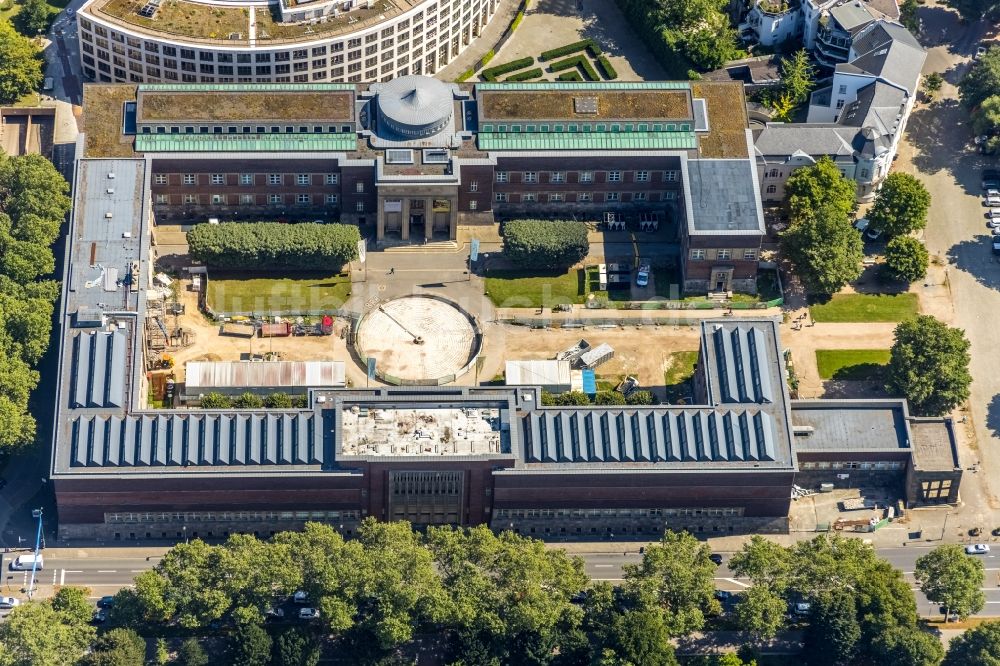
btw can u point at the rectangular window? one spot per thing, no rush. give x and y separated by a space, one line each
218 199
302 179
331 198
359 186
473 185
556 197
585 197
501 176
218 179
530 177
842 90
162 198
331 179
246 179
642 176
302 198
614 176
697 255
246 200
190 198
274 198
638 196
360 206
749 255
528 197
501 197
723 254
160 179
274 179
473 205
612 196
557 177
190 179
586 176
670 176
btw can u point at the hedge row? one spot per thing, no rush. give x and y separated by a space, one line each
587 44
272 245
572 75
526 75
517 21
544 243
465 76
606 67
576 61
492 73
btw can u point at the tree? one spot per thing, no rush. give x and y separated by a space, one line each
929 364
20 65
907 258
675 576
642 637
797 76
295 647
833 632
248 400
932 81
761 612
216 401
641 398
684 34
250 645
908 15
191 653
810 188
986 118
569 398
544 245
272 245
825 249
73 604
979 645
118 647
34 18
609 398
764 562
974 10
511 597
900 206
907 646
950 577
35 633
278 401
981 81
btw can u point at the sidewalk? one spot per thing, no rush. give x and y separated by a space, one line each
486 41
580 314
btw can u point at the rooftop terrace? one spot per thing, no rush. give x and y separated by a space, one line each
102 119
423 431
727 119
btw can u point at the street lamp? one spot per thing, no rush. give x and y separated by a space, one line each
35 513
184 528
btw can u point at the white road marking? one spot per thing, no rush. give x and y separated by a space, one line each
603 566
74 571
62 577
137 570
735 582
107 571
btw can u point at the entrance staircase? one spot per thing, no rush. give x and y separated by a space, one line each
444 246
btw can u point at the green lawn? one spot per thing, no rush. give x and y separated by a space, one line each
866 307
677 376
854 364
299 295
520 289
9 8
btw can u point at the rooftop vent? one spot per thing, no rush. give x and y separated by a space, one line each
585 104
111 176
108 215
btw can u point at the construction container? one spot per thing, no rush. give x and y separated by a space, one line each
238 329
596 356
282 330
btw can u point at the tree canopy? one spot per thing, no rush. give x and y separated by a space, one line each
929 364
825 249
906 258
272 245
822 184
798 76
950 577
908 16
981 81
978 645
900 206
544 244
118 647
20 65
39 633
832 636
34 18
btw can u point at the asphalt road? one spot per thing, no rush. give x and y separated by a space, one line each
106 575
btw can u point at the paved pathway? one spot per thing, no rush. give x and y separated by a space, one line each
486 41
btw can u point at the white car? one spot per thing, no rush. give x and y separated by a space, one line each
308 613
980 52
300 597
642 276
993 213
9 602
993 223
977 549
992 193
991 201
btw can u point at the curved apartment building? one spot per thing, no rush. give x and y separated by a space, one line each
288 41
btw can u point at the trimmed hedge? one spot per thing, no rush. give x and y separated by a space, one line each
570 76
492 73
607 69
517 21
487 57
465 76
576 61
544 244
524 76
272 245
588 45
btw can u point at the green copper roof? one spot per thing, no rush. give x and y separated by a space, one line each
250 143
576 85
587 141
244 87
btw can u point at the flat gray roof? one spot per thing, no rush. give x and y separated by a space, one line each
848 425
724 197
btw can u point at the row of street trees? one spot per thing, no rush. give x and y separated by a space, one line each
20 65
33 203
475 597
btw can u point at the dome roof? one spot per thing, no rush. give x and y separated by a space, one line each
415 106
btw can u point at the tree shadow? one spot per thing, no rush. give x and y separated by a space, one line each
993 416
845 388
933 130
975 257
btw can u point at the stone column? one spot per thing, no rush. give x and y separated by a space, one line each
405 215
404 225
380 220
429 218
453 219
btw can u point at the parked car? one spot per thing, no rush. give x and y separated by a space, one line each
723 595
715 557
308 613
106 602
993 213
9 602
977 549
300 597
801 608
991 201
100 616
642 277
991 179
275 612
996 245
873 234
980 52
861 224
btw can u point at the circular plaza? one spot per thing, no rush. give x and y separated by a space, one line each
419 340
